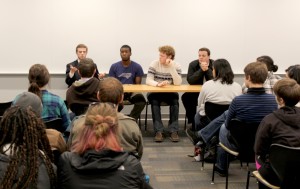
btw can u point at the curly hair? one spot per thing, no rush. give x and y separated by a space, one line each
168 50
23 135
100 130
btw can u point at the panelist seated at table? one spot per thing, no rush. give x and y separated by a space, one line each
129 72
164 71
72 74
199 72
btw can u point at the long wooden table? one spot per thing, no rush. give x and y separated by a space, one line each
167 88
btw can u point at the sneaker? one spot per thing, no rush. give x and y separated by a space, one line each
192 136
174 137
158 137
220 172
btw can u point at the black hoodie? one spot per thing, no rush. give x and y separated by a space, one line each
280 127
103 169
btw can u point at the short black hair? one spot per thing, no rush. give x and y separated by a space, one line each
126 46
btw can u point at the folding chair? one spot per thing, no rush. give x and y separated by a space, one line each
243 136
55 124
212 111
285 161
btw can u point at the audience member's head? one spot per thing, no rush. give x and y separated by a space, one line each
269 63
86 68
287 92
26 99
38 77
293 72
111 90
81 51
256 72
169 51
222 71
23 138
100 129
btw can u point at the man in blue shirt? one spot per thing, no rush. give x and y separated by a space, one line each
251 107
129 72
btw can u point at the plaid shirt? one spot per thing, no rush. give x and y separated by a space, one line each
268 85
54 107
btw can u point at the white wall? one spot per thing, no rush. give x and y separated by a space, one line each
43 31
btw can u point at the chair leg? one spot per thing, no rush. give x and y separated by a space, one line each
146 116
202 153
214 165
227 167
213 173
185 120
248 178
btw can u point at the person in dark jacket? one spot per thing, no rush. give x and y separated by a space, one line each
280 127
72 74
97 159
199 71
84 91
25 152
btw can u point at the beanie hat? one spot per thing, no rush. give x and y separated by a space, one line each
26 99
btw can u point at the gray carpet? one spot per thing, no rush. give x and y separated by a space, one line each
169 166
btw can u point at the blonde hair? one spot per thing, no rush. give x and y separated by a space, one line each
100 129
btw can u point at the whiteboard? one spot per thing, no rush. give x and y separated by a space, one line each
47 31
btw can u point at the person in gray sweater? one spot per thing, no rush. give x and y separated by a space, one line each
111 90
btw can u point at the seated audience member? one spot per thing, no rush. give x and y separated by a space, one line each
53 105
199 71
293 72
27 99
221 90
111 91
272 78
72 74
84 91
164 72
97 159
280 127
129 72
251 107
25 153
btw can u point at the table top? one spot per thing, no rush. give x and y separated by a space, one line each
167 88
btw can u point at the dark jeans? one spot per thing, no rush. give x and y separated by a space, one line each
201 121
213 128
190 101
171 99
139 102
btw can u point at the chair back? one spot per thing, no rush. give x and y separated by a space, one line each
285 161
243 136
4 106
213 110
56 124
78 109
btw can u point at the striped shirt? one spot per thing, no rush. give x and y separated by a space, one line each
158 73
54 107
252 107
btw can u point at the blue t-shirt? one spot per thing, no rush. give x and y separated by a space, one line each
126 75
